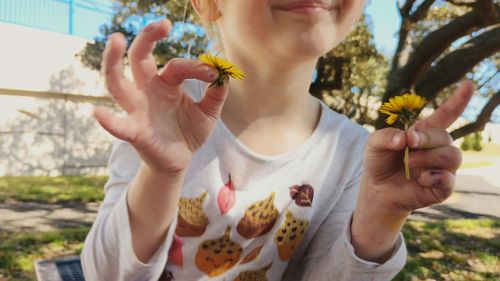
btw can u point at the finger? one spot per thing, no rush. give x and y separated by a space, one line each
213 101
445 157
386 139
447 113
120 127
177 70
140 54
437 185
120 88
428 138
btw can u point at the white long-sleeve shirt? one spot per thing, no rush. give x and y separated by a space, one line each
245 216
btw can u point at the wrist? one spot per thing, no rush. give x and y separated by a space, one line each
375 228
170 176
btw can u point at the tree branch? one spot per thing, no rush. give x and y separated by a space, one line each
430 48
456 64
404 10
422 10
481 120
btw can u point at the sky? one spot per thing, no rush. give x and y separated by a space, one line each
386 20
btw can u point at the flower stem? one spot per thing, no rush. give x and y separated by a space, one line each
406 160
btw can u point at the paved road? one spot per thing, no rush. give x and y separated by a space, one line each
477 193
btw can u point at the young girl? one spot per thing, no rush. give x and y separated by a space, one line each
256 180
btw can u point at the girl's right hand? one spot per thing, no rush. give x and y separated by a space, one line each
163 124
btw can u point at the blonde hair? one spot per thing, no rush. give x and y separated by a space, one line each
208 12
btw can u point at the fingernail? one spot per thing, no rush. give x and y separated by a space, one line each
212 73
435 173
416 138
396 139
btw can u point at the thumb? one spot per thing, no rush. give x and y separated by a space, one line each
213 101
387 139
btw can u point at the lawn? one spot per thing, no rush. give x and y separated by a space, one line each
449 250
452 250
52 189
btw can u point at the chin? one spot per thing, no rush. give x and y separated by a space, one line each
311 49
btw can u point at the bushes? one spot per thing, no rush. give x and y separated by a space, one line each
473 142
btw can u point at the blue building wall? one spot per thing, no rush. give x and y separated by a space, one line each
76 17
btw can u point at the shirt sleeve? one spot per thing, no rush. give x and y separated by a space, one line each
331 256
107 253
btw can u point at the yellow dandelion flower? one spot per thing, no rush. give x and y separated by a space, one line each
403 108
224 67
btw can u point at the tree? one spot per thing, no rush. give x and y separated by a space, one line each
132 15
352 76
441 42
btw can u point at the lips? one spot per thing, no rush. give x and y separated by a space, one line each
306 5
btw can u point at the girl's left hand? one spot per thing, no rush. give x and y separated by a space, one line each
433 160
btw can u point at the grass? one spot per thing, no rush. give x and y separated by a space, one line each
452 250
18 251
52 189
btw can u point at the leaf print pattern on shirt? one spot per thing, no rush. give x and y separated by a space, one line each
175 253
289 235
252 255
302 195
217 256
254 275
226 197
192 220
259 218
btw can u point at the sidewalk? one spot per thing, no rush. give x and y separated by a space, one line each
477 194
36 217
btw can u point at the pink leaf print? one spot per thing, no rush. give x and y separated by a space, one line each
226 197
302 194
175 252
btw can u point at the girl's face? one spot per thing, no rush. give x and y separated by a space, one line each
294 30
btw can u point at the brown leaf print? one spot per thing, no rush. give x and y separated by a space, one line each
289 235
302 195
252 255
259 218
191 219
254 275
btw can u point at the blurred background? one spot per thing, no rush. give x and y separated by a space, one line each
53 155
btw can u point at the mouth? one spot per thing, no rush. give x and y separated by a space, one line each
307 7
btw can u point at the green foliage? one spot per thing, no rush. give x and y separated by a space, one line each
190 45
466 143
473 142
477 141
52 189
362 74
